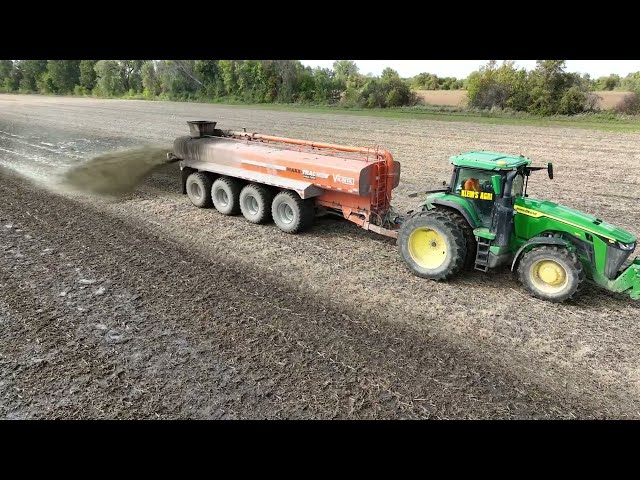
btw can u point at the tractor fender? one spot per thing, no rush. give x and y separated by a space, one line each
456 206
538 241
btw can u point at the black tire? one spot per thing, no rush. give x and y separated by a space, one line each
467 231
225 194
255 203
198 186
443 235
564 267
291 213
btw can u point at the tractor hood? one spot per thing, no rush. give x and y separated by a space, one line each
576 218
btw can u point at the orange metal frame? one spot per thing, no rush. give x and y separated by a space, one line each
355 208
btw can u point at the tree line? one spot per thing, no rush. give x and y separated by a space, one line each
546 90
253 81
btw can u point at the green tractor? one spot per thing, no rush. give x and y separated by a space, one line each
485 219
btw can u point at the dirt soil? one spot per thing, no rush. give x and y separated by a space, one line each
147 307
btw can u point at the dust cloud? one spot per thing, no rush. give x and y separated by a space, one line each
113 173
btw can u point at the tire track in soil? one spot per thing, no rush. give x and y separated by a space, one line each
210 338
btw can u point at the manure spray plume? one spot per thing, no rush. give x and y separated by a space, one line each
114 173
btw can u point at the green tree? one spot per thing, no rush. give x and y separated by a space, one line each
150 80
305 84
549 84
5 69
209 72
272 78
547 90
31 71
387 91
130 70
610 82
250 80
484 89
344 69
64 75
228 72
631 82
389 73
45 84
327 87
572 101
87 78
12 82
425 81
178 78
108 78
288 71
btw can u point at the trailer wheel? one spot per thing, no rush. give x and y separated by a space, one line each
225 194
255 203
432 245
291 213
551 273
198 186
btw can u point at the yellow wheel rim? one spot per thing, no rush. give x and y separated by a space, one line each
427 248
548 276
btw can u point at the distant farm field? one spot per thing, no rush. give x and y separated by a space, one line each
458 98
448 98
608 100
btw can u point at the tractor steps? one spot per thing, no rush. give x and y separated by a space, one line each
482 255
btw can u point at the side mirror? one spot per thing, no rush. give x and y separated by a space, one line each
496 183
550 170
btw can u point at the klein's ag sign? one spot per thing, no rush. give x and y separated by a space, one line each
476 195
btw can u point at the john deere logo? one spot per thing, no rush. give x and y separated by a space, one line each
527 211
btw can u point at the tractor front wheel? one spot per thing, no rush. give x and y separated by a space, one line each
551 273
432 245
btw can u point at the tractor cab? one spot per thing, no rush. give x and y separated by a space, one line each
483 178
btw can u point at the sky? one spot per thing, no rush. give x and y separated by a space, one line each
462 68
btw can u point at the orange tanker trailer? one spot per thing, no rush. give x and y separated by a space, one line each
287 180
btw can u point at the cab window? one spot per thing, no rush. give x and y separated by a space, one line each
470 180
477 188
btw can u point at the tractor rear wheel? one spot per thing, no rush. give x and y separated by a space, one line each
225 194
467 231
432 245
551 273
198 188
